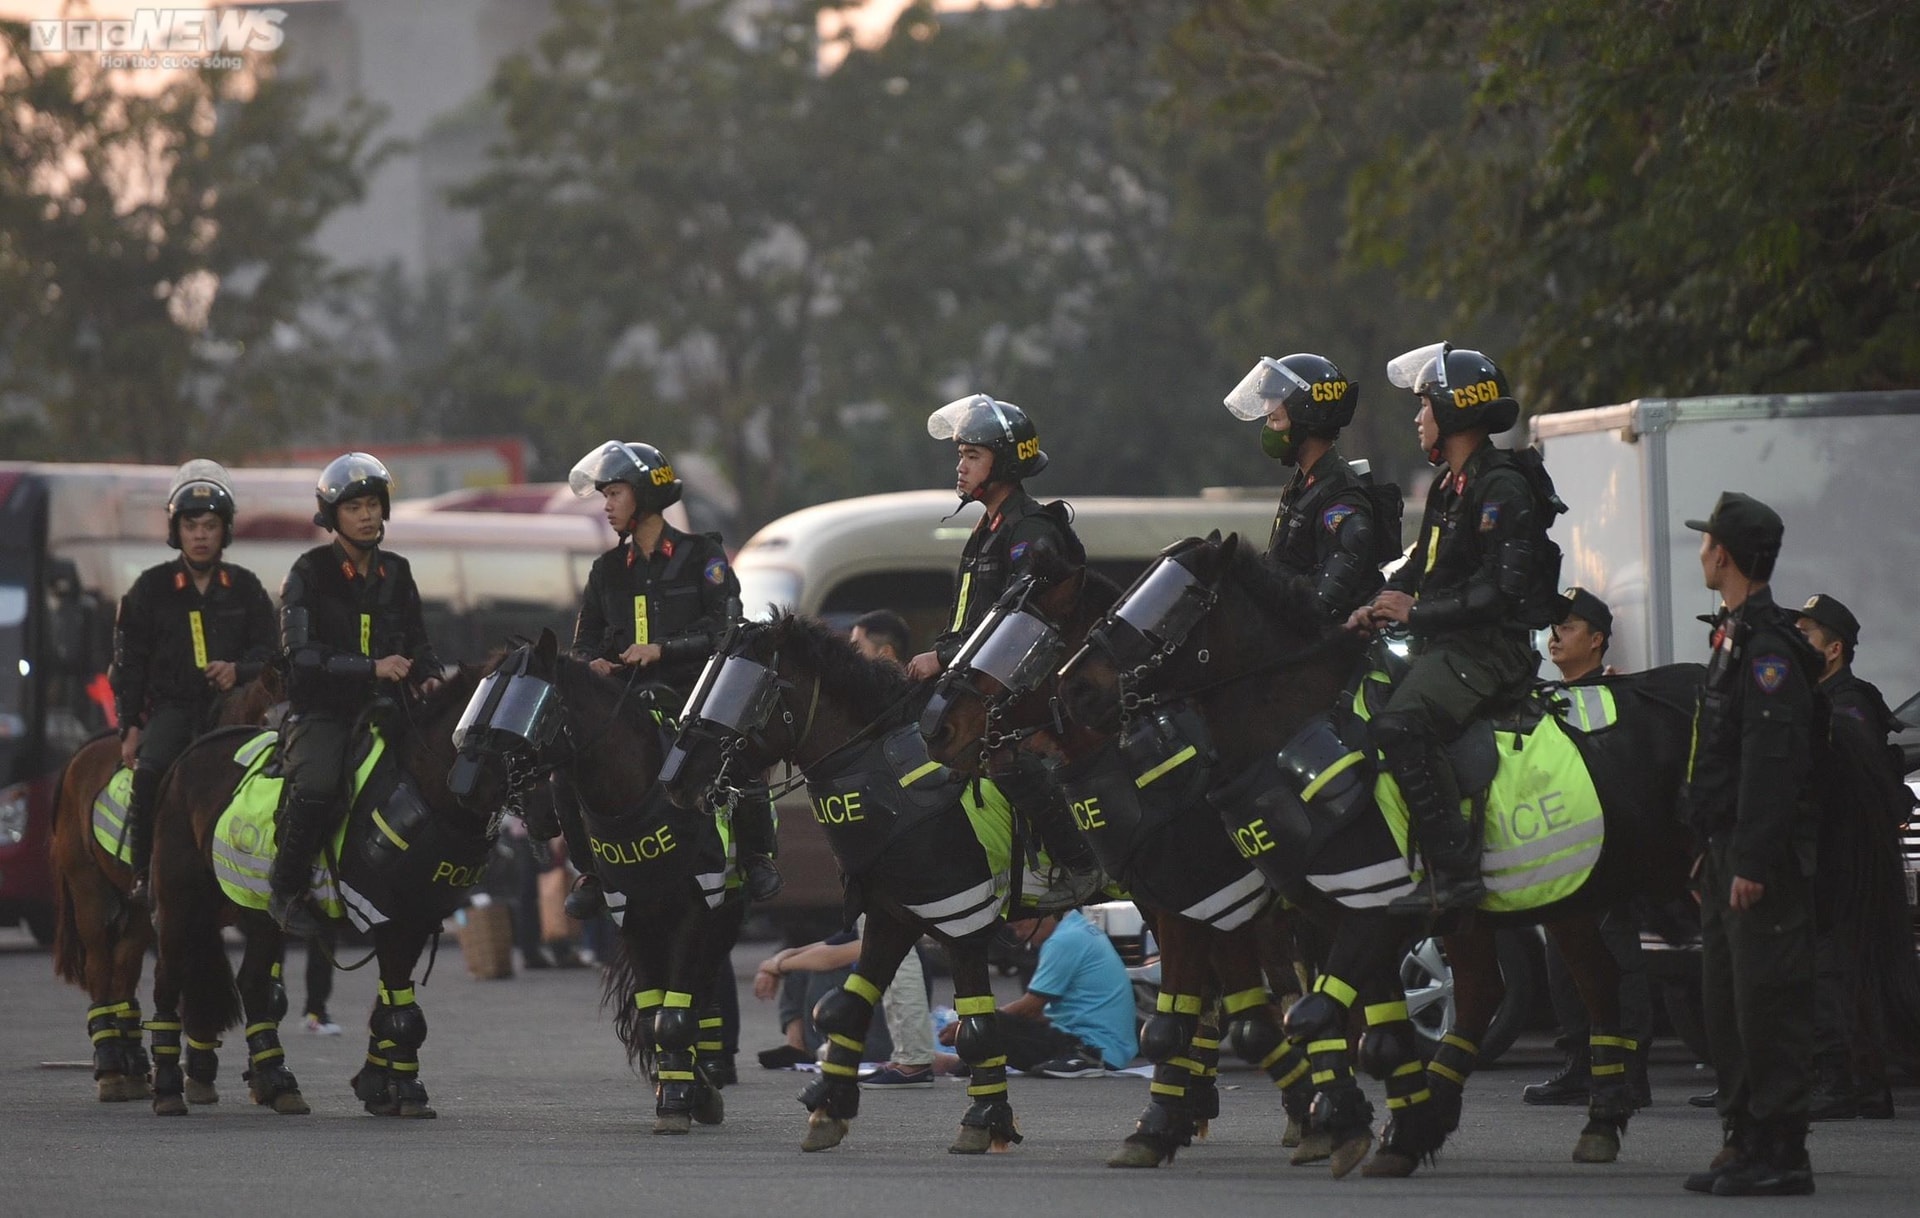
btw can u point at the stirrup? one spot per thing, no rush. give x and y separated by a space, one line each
588 899
1066 889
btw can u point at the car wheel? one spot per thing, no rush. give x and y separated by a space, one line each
1428 979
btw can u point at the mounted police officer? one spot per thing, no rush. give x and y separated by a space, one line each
1750 795
1326 531
1849 1047
350 629
658 601
187 631
997 448
1481 578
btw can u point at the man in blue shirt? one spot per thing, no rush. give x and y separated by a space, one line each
1076 1019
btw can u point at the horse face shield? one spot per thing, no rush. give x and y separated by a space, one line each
1154 616
510 714
1016 649
732 702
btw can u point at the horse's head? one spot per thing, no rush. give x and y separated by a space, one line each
512 715
999 691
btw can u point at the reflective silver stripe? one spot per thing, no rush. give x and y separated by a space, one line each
956 927
362 912
1226 898
1518 880
245 754
1371 900
616 906
109 811
1361 877
1242 913
933 911
240 877
1552 843
713 887
246 868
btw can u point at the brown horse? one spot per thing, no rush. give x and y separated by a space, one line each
101 938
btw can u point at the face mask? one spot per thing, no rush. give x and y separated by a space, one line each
1279 445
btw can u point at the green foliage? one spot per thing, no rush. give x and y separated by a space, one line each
159 295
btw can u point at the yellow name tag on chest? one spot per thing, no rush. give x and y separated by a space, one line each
366 634
199 629
640 620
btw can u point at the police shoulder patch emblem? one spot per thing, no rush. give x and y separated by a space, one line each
1336 516
1489 517
717 572
1769 673
1019 550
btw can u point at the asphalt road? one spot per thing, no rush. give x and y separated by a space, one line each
538 1114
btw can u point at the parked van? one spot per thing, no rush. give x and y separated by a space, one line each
839 560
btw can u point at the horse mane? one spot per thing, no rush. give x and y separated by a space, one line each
635 712
1285 597
870 686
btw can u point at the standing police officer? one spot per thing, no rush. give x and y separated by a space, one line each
659 600
1749 791
1481 577
997 448
186 631
350 627
1849 1059
1325 531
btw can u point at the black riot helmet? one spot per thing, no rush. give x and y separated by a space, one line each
1318 396
349 476
200 486
1467 389
984 422
655 486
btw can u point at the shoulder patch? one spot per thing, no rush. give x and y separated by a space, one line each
717 572
1770 673
1336 516
1489 517
1019 550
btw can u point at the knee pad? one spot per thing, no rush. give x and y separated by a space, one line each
1317 1017
978 1039
1253 1035
1165 1034
843 1013
1386 1047
1398 734
405 1026
676 1028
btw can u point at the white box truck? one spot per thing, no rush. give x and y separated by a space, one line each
1842 469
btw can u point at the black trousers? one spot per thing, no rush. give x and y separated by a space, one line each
1029 1041
1757 987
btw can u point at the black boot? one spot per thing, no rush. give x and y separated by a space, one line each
588 900
146 782
1734 1154
301 827
1449 848
763 878
1778 1166
1706 1099
1834 1097
756 839
1567 1085
1637 1077
1076 874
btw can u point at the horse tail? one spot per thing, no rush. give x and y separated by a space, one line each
1862 883
622 982
191 949
69 952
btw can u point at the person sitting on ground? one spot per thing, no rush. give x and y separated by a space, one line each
1076 1019
800 977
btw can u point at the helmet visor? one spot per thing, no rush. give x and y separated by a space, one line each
349 469
1404 370
1269 383
611 462
974 419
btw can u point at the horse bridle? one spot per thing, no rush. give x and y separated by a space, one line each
733 738
1036 661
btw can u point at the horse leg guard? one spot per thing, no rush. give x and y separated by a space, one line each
203 1067
1171 1027
1447 1074
109 1063
1610 1097
268 1080
168 1084
1169 1122
708 1107
1204 1051
843 1016
388 1082
676 1029
988 1123
1255 1036
1337 1128
1390 1053
133 1053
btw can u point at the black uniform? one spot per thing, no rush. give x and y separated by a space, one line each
1749 793
334 624
1326 534
1000 550
676 597
165 635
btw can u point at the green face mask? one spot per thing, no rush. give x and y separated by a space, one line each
1278 444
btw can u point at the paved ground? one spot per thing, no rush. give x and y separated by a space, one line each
539 1115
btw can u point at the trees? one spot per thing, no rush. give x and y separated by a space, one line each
158 293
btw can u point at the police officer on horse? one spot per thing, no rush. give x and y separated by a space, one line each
350 629
657 602
997 448
187 631
1481 578
1326 531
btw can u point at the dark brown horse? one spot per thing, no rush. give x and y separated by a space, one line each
410 853
1155 835
100 937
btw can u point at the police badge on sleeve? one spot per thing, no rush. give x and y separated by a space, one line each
1769 673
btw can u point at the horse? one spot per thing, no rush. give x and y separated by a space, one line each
100 937
921 849
403 861
1211 626
1154 834
669 873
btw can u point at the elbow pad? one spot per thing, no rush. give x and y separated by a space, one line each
295 628
1478 602
344 664
1345 583
689 647
1513 573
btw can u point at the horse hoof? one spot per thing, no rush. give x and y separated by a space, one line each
169 1105
201 1093
823 1132
1137 1154
289 1103
1390 1164
710 1109
1596 1148
973 1140
119 1088
1290 1137
414 1110
1347 1155
1315 1146
673 1122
